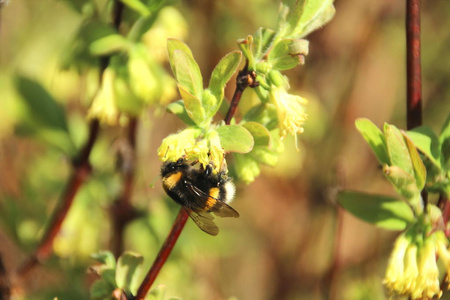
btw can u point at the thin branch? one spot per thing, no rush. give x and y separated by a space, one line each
413 67
244 79
163 254
81 171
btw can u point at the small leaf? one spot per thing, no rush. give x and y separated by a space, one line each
45 117
260 134
264 155
246 167
235 138
404 183
185 68
128 271
262 42
222 73
137 6
177 108
420 172
193 106
298 18
106 258
397 149
101 290
382 211
282 56
108 44
427 142
375 138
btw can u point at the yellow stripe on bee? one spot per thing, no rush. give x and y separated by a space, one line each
171 181
213 193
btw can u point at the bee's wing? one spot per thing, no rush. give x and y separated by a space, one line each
211 204
203 220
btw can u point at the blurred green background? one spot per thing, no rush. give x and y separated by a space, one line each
291 241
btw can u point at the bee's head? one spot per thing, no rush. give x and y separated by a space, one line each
170 167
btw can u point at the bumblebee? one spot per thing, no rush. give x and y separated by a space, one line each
199 192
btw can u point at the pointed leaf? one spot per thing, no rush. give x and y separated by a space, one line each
177 108
128 271
235 138
222 73
404 183
375 138
286 53
108 45
185 68
45 117
427 142
193 106
420 173
382 211
137 6
397 149
262 42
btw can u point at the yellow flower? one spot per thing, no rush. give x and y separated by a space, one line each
428 280
290 111
103 106
179 144
395 272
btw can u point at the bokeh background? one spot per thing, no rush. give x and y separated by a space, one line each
292 241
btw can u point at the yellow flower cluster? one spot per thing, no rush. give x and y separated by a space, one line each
190 144
412 270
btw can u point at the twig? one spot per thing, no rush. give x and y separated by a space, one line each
413 68
244 79
82 169
122 212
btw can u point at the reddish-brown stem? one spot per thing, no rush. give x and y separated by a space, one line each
413 68
82 169
122 211
163 254
243 80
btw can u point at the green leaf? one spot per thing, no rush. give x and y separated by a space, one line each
137 6
105 257
444 138
246 45
264 155
193 106
404 183
427 142
397 149
101 290
128 271
382 211
185 68
375 138
108 44
177 108
262 42
235 138
299 17
286 53
246 167
260 134
420 172
45 117
221 74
